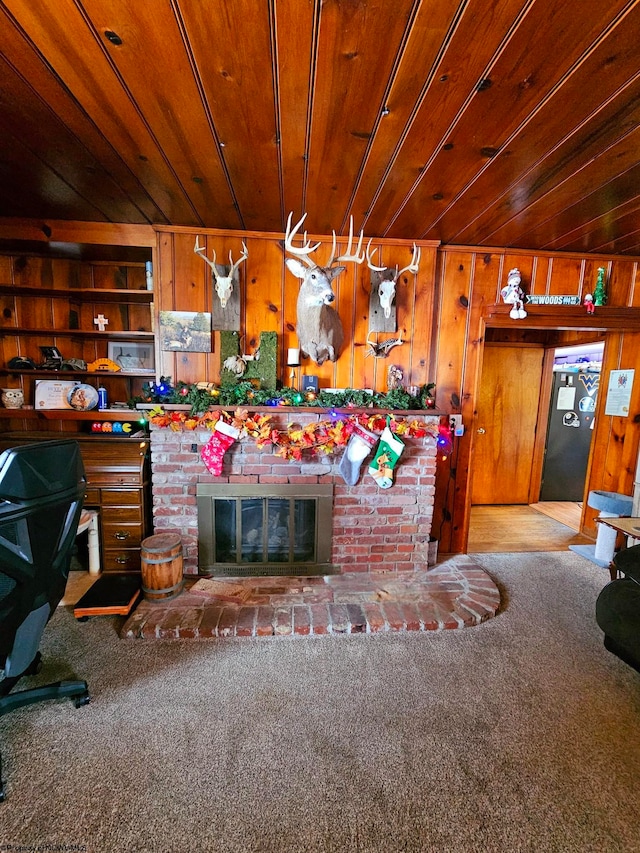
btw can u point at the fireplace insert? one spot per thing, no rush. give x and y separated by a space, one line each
252 530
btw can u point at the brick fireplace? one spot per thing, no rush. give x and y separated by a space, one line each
371 529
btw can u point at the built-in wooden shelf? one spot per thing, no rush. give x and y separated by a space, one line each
21 414
72 414
92 415
113 335
564 317
66 374
80 294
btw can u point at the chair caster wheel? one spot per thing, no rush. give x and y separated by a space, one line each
82 700
82 619
35 666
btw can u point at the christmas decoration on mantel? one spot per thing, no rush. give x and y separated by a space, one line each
201 395
321 439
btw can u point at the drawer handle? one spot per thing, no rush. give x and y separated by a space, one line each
121 560
121 534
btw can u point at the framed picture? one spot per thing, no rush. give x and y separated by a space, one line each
132 357
185 331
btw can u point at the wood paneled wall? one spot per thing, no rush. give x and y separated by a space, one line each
443 315
269 294
469 281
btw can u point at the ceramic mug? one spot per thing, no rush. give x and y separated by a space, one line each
12 398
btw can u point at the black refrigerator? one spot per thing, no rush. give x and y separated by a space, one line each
569 433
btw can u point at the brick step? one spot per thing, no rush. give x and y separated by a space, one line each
454 594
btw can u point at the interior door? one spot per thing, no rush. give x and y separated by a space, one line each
505 424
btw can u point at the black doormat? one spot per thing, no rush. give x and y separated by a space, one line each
113 594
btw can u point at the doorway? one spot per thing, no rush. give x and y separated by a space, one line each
506 423
576 381
510 510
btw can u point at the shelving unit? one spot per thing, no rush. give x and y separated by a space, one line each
37 309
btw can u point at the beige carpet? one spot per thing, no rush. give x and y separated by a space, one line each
520 734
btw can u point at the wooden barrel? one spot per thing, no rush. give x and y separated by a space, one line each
161 566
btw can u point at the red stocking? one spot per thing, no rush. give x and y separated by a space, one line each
213 451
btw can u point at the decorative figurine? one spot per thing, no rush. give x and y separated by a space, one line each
588 304
600 294
395 377
12 398
101 322
514 295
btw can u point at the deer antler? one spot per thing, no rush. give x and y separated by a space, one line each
200 250
370 263
303 251
349 255
243 257
414 265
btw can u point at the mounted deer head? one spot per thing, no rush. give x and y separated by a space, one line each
318 325
388 278
224 283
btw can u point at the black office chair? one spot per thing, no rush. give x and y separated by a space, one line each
41 492
618 608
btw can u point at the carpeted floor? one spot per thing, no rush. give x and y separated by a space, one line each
520 734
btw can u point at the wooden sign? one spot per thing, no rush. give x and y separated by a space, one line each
554 299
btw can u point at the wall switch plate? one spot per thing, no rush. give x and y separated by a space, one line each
456 424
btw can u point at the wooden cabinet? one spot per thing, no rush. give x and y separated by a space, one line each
118 486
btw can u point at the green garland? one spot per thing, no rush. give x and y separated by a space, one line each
201 396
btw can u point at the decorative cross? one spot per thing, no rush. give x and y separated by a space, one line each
101 322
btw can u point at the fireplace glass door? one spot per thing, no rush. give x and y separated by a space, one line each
273 531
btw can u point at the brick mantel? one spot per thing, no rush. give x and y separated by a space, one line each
373 529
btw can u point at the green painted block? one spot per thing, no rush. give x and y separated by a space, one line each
264 369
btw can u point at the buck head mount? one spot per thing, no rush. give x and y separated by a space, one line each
319 327
223 282
384 279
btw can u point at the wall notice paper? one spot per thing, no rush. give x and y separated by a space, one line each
619 393
566 397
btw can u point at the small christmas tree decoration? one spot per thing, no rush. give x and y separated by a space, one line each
224 435
388 452
600 294
357 450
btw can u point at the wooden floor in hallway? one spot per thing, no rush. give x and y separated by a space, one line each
549 526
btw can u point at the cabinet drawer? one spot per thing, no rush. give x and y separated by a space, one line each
122 560
92 497
106 478
121 497
121 535
121 515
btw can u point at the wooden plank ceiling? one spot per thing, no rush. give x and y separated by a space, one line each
479 122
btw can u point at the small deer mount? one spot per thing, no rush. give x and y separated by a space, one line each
382 309
381 349
225 313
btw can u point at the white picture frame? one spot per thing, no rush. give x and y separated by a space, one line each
132 356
